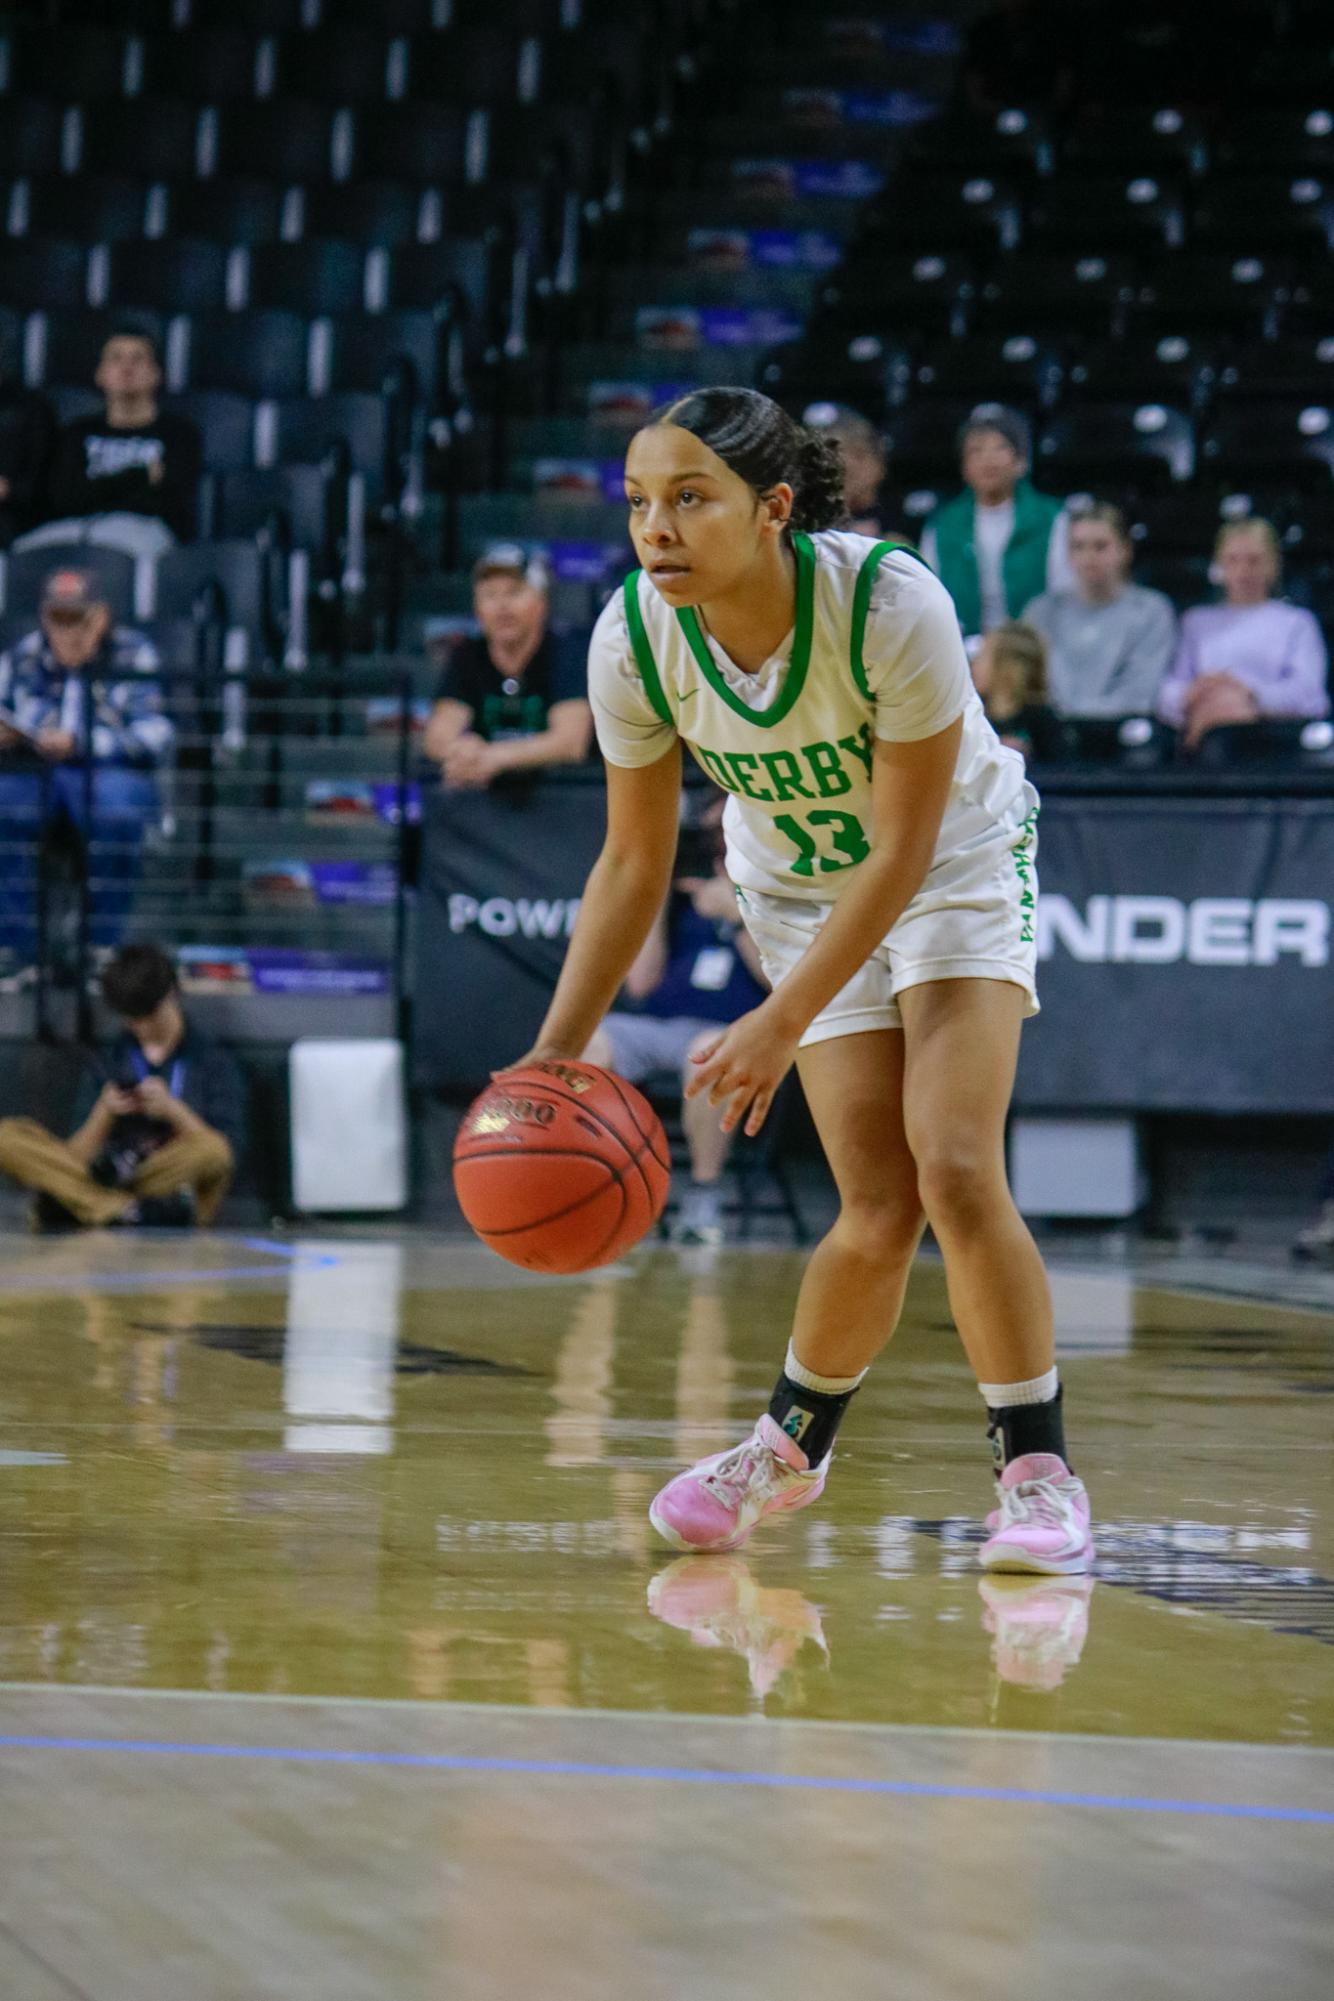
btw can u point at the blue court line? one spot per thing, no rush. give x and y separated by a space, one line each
568 1768
290 1252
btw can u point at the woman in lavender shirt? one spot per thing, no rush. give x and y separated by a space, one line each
1251 656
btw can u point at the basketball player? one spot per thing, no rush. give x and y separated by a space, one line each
881 841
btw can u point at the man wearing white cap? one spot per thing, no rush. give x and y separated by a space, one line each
514 699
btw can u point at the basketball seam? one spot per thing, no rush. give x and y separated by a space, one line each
558 1089
547 1153
643 1132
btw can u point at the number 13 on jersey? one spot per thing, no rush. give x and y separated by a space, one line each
843 838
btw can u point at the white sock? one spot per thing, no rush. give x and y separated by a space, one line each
829 1386
1003 1396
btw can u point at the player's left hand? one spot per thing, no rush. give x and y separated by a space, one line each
744 1068
469 762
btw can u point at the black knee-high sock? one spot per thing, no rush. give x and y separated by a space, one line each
1020 1428
809 1417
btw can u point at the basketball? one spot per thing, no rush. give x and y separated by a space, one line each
561 1166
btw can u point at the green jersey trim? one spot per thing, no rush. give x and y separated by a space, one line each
643 651
861 606
795 678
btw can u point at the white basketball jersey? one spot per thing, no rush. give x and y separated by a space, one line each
875 652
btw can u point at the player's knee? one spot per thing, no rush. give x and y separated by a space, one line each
215 1154
13 1132
883 1228
956 1180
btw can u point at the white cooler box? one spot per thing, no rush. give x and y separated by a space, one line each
349 1125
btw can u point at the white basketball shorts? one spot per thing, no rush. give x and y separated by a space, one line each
974 918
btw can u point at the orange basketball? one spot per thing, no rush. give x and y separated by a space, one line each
560 1166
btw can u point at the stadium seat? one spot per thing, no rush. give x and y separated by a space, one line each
50 273
228 211
1023 369
1181 523
949 210
1141 446
481 67
921 441
318 275
388 214
226 426
261 17
1186 579
295 495
77 64
1104 212
1289 214
409 142
1276 138
155 137
865 371
1178 368
236 566
92 209
419 278
1136 139
26 571
205 65
1295 366
354 65
1090 291
259 354
303 431
931 293
170 276
31 137
279 139
1220 295
1013 141
397 17
63 346
1272 440
358 352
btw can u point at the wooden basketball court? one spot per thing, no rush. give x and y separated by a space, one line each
339 1660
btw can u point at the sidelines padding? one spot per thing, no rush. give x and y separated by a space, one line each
349 1125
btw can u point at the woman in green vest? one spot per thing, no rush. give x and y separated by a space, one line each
1001 543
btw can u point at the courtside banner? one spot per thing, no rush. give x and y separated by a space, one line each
1184 956
501 877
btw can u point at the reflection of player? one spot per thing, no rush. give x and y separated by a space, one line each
1039 1627
882 843
698 969
719 1603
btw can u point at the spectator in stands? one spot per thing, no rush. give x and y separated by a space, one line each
516 698
1109 642
1010 674
133 471
1251 657
698 971
78 687
863 454
27 431
160 1116
1001 543
1019 53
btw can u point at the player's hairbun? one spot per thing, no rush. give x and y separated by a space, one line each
764 446
819 482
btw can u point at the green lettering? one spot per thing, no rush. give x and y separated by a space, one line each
715 767
743 764
827 767
859 745
785 775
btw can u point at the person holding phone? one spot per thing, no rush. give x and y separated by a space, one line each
159 1117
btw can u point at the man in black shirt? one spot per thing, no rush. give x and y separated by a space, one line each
134 459
516 698
160 1116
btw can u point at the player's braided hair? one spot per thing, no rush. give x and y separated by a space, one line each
763 445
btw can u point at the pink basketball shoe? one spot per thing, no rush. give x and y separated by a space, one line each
718 1502
1042 1523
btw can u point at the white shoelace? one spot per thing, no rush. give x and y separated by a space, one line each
751 1467
1040 1501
